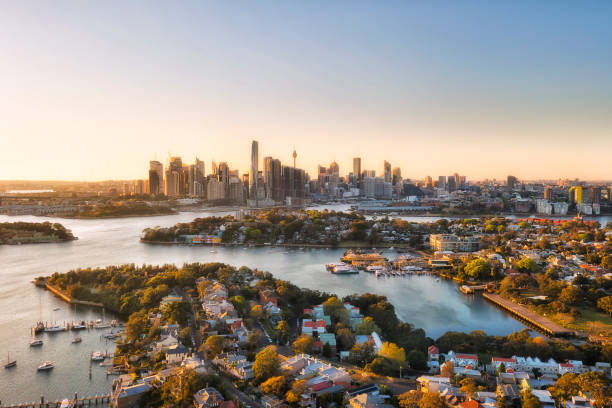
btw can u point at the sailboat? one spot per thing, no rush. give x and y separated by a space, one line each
10 363
102 324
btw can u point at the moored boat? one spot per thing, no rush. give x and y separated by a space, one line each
10 363
77 340
36 343
55 328
47 365
97 356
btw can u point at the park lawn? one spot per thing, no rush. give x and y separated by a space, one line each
590 321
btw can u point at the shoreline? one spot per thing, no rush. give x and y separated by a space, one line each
318 246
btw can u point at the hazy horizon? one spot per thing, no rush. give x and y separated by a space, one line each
93 91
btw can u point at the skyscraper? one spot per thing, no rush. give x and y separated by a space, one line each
254 168
357 168
450 183
272 178
396 176
156 177
442 182
387 171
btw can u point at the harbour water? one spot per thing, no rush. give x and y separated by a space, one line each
436 306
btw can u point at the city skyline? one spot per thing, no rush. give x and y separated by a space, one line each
93 92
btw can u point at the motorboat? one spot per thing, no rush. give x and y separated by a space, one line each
111 336
47 365
77 340
55 309
36 343
97 356
55 328
344 269
67 404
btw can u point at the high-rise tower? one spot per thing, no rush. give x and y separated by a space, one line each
254 168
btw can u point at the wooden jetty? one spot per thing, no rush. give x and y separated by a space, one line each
541 323
98 400
468 290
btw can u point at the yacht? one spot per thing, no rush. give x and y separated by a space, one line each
97 356
47 365
111 336
77 340
78 326
100 324
53 329
10 363
36 343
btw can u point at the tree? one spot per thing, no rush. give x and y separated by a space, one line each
257 312
432 400
478 269
527 265
185 336
267 363
240 303
410 399
255 339
606 262
303 344
136 325
177 312
417 359
529 400
393 352
345 338
297 389
367 326
283 331
273 385
468 387
214 345
447 369
326 351
605 304
334 308
570 295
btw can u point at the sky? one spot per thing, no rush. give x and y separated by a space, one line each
94 90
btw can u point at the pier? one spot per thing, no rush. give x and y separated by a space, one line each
468 290
545 325
98 400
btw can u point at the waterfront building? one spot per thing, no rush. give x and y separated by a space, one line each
452 242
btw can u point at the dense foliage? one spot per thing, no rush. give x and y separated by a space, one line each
31 231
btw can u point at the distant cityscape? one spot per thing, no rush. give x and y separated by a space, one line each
271 183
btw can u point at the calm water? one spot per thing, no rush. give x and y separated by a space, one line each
434 306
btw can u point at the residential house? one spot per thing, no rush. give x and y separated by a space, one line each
208 398
176 354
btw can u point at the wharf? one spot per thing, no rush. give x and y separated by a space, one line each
547 326
98 400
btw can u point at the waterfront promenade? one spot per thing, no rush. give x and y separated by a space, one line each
549 327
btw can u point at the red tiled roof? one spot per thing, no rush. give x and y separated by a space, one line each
321 386
469 404
467 356
504 360
566 365
433 350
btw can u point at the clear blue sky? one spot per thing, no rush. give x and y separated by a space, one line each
93 90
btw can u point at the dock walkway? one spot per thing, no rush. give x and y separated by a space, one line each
98 400
547 326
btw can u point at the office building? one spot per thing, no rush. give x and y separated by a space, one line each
357 169
156 177
387 171
396 176
442 182
512 182
273 178
450 184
